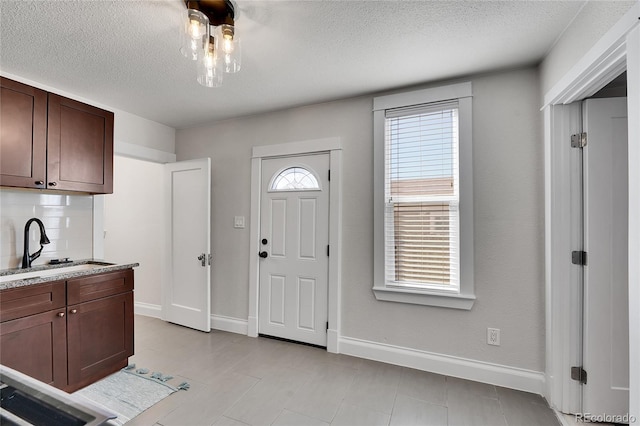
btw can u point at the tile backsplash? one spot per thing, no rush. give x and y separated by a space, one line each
68 222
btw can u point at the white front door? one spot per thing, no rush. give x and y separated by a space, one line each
294 265
186 290
606 313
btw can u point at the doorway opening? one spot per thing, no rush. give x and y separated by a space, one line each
618 50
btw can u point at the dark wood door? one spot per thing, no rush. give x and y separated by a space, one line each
80 147
99 338
23 135
36 346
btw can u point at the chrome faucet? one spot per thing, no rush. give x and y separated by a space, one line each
26 257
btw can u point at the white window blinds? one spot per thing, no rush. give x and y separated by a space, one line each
422 196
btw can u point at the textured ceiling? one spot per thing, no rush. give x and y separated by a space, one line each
125 53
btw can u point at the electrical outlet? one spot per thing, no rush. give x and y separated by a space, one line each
493 336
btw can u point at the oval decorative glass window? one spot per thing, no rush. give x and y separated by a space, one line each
294 179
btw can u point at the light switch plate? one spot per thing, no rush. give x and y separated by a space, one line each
238 222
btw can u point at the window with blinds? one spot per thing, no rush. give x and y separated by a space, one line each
421 218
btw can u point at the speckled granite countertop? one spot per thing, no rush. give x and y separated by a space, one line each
67 271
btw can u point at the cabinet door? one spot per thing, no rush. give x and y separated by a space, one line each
80 147
36 346
23 135
100 338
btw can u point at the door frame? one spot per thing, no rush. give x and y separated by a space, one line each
617 50
333 146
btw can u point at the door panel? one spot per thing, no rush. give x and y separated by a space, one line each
307 226
293 289
606 317
187 294
306 303
277 300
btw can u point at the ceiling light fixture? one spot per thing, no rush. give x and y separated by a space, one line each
209 37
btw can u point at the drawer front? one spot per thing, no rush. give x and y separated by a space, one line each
34 299
97 286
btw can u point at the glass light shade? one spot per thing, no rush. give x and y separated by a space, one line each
229 48
195 34
209 67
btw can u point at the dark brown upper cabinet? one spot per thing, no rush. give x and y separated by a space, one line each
52 142
23 135
79 147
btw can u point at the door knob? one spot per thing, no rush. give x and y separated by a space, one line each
203 259
263 254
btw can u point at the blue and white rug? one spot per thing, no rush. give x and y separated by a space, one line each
129 392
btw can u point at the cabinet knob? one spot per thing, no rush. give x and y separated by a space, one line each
73 311
61 314
53 183
39 182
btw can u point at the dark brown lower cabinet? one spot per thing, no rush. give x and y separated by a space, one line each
75 344
37 345
99 338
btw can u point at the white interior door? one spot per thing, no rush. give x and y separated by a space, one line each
186 292
606 313
294 265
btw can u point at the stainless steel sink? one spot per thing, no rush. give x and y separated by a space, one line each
27 401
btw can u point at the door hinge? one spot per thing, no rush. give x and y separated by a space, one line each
327 250
327 325
579 140
578 374
329 174
579 257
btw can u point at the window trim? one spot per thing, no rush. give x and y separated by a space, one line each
465 297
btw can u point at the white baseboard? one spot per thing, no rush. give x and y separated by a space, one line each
147 309
479 371
233 325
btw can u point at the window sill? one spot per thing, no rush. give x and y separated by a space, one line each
423 297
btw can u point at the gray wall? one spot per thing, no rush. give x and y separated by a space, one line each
593 21
509 222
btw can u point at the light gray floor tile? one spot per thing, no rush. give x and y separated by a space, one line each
237 380
375 386
410 411
322 395
422 385
289 418
210 402
506 394
524 409
469 409
264 402
457 386
352 415
226 421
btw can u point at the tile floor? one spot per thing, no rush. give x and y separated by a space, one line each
237 380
